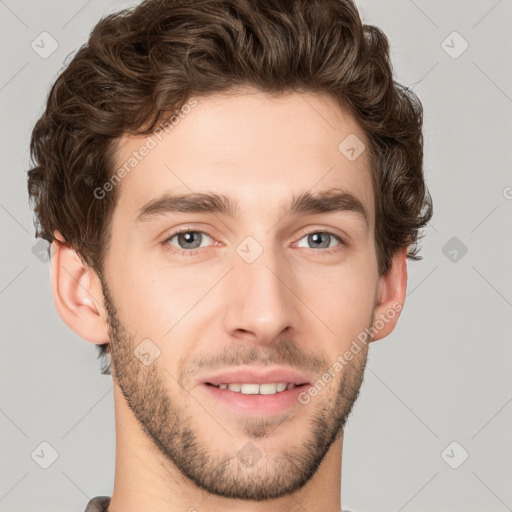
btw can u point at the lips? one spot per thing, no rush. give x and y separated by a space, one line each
254 376
245 401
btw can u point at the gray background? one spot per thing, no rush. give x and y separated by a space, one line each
444 374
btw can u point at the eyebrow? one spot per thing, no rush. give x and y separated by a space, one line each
209 202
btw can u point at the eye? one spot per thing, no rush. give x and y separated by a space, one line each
187 240
323 240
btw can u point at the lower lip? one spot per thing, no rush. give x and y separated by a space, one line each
257 405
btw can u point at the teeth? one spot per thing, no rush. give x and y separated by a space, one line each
250 389
255 389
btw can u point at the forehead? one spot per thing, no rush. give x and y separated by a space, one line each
250 146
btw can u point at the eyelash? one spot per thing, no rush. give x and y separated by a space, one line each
193 252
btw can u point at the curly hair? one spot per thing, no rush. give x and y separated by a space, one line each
143 62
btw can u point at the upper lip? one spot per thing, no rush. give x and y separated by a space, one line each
254 376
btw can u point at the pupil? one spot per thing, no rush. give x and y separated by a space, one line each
189 237
317 238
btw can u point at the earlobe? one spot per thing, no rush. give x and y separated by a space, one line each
77 293
390 296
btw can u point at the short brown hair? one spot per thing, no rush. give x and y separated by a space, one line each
141 63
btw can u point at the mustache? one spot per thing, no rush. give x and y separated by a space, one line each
284 352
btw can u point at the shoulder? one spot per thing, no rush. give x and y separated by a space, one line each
98 504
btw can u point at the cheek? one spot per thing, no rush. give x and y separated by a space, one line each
154 298
343 298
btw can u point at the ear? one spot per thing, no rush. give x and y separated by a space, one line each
77 293
390 296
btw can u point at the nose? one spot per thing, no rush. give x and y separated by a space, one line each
259 303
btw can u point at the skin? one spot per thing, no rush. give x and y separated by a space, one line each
295 306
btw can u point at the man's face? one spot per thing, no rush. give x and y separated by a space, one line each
262 288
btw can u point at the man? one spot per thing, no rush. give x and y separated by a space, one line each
231 190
